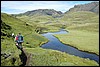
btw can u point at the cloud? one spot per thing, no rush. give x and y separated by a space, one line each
23 6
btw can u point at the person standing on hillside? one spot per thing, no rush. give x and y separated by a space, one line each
19 40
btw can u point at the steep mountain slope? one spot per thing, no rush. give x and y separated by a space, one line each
14 25
93 7
9 52
4 29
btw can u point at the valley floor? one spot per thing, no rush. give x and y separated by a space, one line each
83 40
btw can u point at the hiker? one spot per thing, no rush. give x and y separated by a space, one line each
19 40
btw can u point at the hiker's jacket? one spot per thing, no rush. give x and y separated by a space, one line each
19 38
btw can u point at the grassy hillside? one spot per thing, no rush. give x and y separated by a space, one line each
27 30
80 20
69 20
77 16
8 49
35 18
83 31
16 24
48 57
44 21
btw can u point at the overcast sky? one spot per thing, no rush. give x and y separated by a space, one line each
15 7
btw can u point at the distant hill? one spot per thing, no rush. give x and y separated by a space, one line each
93 7
49 12
39 15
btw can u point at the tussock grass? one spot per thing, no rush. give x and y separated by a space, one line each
48 57
8 47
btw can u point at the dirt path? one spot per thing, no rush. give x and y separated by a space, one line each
28 59
25 58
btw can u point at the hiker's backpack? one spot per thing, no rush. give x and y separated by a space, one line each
16 38
20 39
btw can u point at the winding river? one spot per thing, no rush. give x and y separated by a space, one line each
55 44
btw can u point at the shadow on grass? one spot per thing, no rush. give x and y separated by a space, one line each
23 58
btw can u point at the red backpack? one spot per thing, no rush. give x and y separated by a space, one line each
16 37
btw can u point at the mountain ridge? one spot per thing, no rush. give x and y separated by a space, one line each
50 12
92 7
